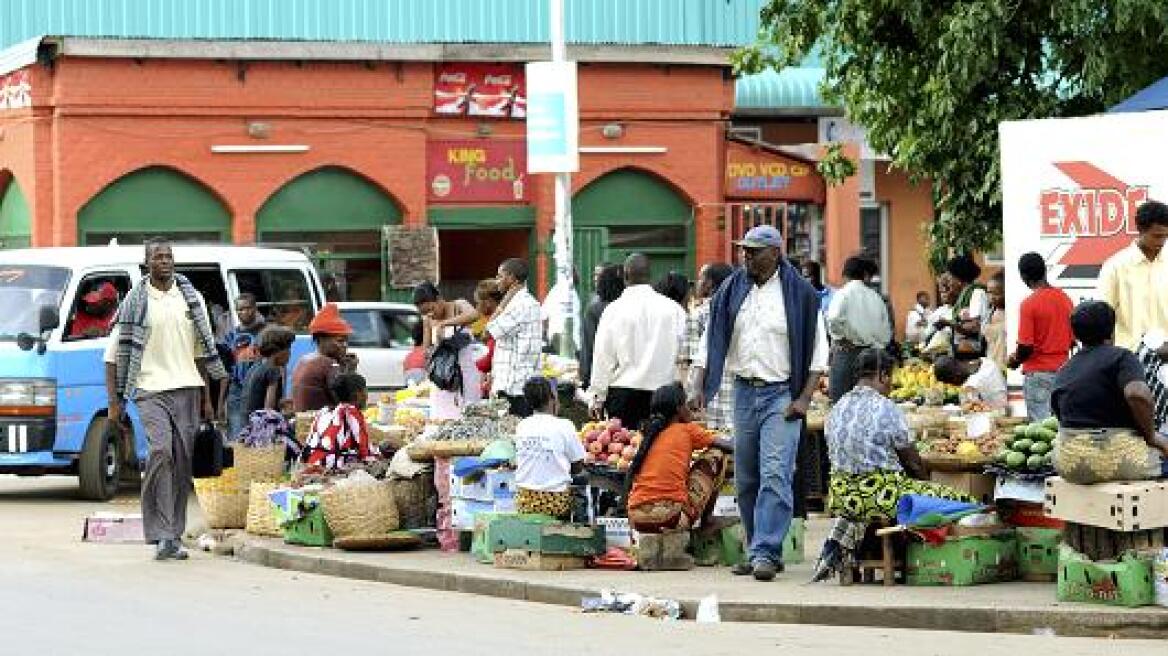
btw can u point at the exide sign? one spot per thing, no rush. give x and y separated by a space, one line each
1089 212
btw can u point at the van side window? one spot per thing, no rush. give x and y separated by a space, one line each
399 327
95 307
283 296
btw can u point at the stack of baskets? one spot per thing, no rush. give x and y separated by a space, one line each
226 500
261 518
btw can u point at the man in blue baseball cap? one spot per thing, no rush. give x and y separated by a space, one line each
766 329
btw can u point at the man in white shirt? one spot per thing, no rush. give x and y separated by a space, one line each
767 329
856 319
637 343
917 321
1133 280
518 337
980 379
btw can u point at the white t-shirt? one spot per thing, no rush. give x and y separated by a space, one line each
989 384
545 448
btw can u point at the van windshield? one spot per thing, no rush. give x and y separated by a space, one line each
24 289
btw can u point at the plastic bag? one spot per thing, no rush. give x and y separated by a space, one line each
708 610
443 368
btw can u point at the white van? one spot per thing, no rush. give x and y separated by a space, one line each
52 379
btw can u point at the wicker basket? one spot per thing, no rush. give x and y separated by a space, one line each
360 510
303 425
224 506
416 500
260 518
423 451
396 541
258 465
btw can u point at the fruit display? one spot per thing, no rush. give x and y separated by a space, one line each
969 450
1030 447
411 418
484 421
915 382
609 443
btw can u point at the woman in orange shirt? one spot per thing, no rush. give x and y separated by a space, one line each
669 489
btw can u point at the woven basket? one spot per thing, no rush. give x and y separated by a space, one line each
223 507
303 425
258 465
422 451
413 498
260 518
397 541
360 511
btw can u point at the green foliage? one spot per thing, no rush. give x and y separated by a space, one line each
835 167
931 80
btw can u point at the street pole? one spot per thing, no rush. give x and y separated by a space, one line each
563 208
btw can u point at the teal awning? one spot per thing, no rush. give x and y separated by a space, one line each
795 88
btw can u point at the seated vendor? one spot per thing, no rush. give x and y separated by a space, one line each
873 459
669 489
547 454
980 380
95 313
1104 407
339 435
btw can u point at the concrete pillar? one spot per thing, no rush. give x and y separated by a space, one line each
842 220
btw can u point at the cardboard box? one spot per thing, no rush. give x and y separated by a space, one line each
1038 553
533 560
964 561
490 485
1029 515
1125 507
113 528
1127 582
1016 488
979 486
463 511
517 533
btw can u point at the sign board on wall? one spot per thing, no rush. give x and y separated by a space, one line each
553 120
476 89
1070 189
753 173
412 255
16 90
476 171
837 129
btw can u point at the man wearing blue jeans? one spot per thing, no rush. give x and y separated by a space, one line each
766 329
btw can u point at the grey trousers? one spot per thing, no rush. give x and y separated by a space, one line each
842 375
171 419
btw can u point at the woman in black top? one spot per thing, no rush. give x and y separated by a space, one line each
1104 407
610 283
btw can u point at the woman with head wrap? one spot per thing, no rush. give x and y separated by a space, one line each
970 305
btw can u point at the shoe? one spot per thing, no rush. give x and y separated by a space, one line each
170 550
766 570
177 550
742 569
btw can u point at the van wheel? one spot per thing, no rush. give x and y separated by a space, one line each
100 466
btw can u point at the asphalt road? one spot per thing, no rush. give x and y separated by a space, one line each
63 596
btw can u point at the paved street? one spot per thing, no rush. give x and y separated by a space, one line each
66 597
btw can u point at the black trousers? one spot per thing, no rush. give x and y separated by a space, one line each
631 406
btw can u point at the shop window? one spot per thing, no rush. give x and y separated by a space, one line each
283 296
92 314
647 237
349 261
800 223
874 238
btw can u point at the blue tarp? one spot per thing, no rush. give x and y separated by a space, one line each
1151 98
921 510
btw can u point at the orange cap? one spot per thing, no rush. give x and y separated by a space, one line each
329 322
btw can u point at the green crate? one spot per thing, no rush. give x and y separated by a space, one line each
310 530
538 536
964 561
707 547
480 546
794 543
733 544
1127 582
1038 551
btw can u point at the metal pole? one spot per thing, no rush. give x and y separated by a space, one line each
563 209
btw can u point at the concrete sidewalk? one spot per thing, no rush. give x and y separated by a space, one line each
1008 607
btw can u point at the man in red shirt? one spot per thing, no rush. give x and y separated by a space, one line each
1044 335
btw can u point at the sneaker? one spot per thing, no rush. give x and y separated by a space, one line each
177 551
765 570
170 550
742 569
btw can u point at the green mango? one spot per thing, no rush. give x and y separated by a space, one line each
1015 460
1039 448
1035 462
1051 423
1020 431
1045 434
1022 446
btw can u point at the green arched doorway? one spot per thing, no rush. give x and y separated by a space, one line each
154 201
15 220
337 215
627 211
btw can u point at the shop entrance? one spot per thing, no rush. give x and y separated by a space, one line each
15 223
154 201
469 255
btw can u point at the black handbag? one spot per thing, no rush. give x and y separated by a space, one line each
208 459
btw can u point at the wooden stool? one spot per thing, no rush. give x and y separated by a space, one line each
883 548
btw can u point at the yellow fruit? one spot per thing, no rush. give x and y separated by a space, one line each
968 451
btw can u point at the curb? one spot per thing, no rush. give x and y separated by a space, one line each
1087 621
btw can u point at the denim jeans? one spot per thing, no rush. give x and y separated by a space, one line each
1036 389
765 448
235 407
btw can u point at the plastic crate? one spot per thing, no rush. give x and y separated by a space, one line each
309 531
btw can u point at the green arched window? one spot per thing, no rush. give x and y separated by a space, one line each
338 215
15 220
154 201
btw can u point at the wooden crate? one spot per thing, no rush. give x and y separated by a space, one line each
534 560
1131 506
